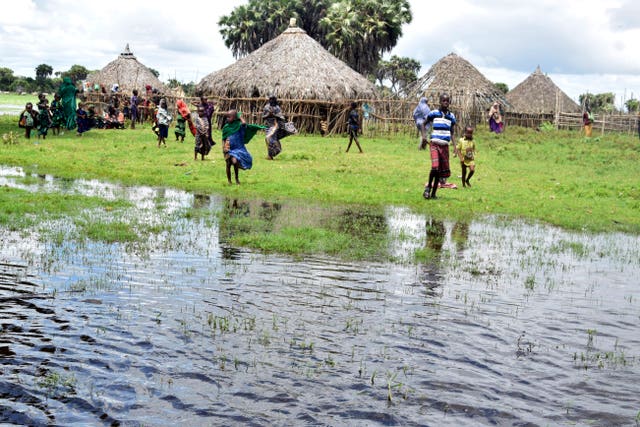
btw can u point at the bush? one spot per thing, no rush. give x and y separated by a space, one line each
547 127
10 138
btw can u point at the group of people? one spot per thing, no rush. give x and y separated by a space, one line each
442 122
236 133
47 117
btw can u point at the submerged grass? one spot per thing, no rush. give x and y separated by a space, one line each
555 177
21 209
297 229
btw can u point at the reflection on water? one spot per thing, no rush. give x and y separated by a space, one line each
510 324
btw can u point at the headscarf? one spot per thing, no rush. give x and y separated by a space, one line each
422 110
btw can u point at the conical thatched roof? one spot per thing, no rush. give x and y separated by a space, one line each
294 66
456 76
127 72
538 94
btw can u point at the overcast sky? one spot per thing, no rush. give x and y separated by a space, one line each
584 45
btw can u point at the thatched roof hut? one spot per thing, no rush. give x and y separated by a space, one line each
469 89
127 72
539 94
293 66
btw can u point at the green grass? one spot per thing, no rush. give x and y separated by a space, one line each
555 177
20 209
17 99
298 229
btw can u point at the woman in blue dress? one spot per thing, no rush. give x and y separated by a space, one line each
235 135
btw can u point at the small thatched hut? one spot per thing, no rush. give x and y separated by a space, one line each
538 94
471 92
127 72
312 84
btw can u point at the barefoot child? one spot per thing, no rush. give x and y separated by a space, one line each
181 128
57 119
466 149
202 134
354 126
44 116
235 135
441 136
164 118
28 119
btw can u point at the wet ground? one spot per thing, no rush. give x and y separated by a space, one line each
505 323
11 109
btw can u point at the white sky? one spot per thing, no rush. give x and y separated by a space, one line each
584 45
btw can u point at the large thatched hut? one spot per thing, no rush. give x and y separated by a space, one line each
127 72
538 94
471 92
313 85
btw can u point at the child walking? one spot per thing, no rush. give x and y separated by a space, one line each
164 118
181 128
82 120
28 119
202 134
442 134
466 149
44 116
57 115
354 126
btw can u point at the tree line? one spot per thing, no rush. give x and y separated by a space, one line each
45 81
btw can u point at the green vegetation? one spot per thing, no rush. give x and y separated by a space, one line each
20 209
555 177
357 31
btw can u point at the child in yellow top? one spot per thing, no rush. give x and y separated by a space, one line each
466 149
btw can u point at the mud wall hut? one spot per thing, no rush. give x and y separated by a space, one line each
314 87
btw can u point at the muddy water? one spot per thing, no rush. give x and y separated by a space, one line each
506 324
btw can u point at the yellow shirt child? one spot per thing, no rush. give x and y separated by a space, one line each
466 149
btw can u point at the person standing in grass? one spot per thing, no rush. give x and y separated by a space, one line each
44 116
443 124
354 126
181 128
164 119
420 114
82 120
68 94
209 108
466 150
495 118
57 116
272 115
28 119
133 108
587 122
202 131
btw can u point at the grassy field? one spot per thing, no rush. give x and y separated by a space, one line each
555 177
16 99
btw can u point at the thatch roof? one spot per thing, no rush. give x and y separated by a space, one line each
456 76
294 66
127 72
538 94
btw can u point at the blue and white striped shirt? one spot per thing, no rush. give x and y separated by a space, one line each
442 124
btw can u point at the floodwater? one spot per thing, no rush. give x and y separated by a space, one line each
508 323
11 109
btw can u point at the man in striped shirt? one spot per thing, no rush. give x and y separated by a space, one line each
443 125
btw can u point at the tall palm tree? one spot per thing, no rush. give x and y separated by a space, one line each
357 31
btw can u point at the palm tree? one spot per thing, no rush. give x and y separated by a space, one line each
357 31
360 31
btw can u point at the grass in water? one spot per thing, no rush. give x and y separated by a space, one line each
20 209
556 177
